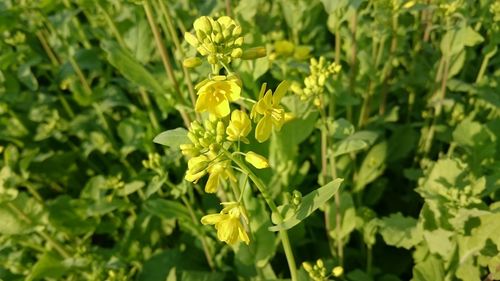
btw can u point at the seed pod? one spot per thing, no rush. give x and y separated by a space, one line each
254 53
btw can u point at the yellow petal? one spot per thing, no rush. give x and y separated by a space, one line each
202 103
212 183
243 235
191 39
263 129
221 109
280 92
212 219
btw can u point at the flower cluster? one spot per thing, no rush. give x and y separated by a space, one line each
321 71
318 272
219 40
215 143
228 223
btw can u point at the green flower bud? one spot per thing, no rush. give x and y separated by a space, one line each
203 24
254 53
239 41
236 31
236 53
191 62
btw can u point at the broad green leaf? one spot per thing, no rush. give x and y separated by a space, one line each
401 143
70 215
130 188
431 269
341 128
167 209
347 216
400 231
372 166
172 138
201 276
440 242
12 222
348 146
310 203
48 266
467 271
130 68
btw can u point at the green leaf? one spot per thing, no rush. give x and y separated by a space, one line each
372 166
201 276
70 215
167 209
12 222
310 203
130 68
172 138
467 271
347 216
26 77
400 231
431 269
440 242
48 266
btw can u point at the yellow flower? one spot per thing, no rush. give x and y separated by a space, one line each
215 94
273 113
218 172
239 126
196 168
228 224
258 161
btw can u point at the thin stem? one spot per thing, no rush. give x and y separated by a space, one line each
337 45
484 64
394 45
165 58
111 25
285 241
171 29
228 8
369 260
79 29
204 244
352 80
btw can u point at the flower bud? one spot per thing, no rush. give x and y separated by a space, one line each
238 41
307 266
258 161
337 271
191 62
203 24
254 53
236 31
236 53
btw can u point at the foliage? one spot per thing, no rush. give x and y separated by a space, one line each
389 128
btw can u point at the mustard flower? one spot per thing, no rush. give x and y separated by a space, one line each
218 172
239 126
228 223
196 168
273 113
215 94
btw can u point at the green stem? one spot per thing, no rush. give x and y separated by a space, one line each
484 64
165 59
204 243
352 79
171 29
285 241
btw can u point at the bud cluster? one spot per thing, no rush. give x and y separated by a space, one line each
219 40
315 82
318 272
